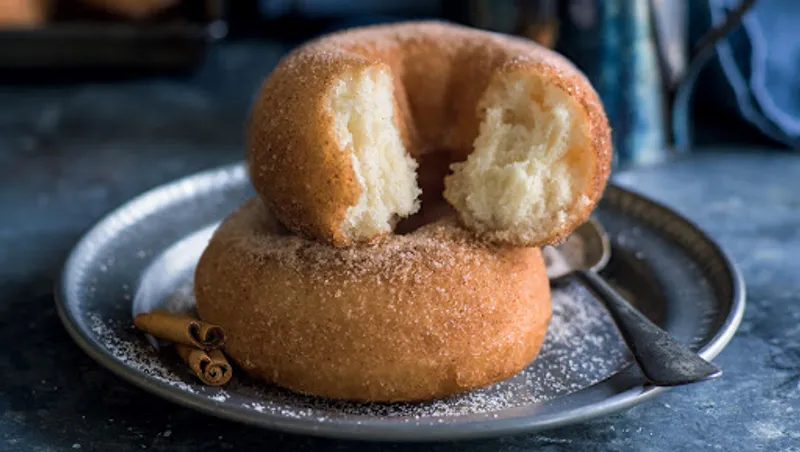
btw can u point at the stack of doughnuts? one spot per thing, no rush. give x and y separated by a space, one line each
406 176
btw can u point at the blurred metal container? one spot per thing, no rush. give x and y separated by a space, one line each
634 52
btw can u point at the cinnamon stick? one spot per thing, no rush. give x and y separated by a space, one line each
180 329
212 368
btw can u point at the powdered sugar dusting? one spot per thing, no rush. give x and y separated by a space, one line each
582 347
440 245
221 396
135 353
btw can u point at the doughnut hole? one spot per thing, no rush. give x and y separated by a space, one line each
433 168
365 127
531 165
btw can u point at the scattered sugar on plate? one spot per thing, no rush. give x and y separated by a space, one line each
582 348
135 353
221 396
255 406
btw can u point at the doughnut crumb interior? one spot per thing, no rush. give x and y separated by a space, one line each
524 173
364 126
527 169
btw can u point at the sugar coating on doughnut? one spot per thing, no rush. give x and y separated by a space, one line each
364 126
334 125
528 167
413 316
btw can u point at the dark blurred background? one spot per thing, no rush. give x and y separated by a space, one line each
664 95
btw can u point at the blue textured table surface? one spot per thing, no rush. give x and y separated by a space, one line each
70 154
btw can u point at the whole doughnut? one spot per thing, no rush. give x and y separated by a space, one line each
410 317
336 130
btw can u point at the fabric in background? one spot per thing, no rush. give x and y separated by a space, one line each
756 71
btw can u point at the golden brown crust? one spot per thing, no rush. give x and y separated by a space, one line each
411 317
575 83
440 72
294 162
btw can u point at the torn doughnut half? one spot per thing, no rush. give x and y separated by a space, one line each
338 129
530 176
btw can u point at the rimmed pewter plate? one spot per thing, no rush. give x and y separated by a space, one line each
143 254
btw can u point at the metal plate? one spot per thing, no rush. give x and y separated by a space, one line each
143 255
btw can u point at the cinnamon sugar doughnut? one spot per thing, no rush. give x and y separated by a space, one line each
409 317
337 129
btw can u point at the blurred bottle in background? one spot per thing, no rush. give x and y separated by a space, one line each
633 51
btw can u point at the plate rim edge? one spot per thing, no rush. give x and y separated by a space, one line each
352 430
